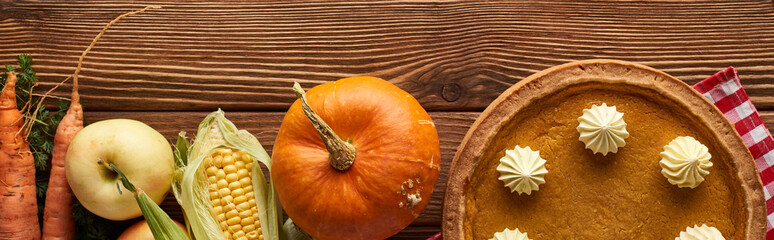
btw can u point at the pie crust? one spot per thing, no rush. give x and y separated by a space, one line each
532 92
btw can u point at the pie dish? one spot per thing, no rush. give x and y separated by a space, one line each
620 195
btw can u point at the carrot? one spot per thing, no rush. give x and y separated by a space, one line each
58 222
18 205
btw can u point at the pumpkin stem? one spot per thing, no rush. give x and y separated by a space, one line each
341 154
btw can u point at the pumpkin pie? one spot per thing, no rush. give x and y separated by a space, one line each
588 195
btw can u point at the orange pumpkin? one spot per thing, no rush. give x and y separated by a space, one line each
367 173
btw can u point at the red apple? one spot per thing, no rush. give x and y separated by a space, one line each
141 231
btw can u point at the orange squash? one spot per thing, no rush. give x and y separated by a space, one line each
367 166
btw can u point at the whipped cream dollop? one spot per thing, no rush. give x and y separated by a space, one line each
602 129
508 234
700 233
522 170
685 162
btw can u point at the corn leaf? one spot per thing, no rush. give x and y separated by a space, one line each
161 225
181 150
292 232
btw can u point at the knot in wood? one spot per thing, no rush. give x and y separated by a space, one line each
451 92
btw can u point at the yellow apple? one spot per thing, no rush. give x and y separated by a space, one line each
141 231
139 151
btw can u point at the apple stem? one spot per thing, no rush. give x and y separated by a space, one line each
128 185
341 154
105 164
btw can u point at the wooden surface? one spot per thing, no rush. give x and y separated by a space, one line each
172 66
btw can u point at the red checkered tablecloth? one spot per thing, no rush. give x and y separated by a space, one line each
725 91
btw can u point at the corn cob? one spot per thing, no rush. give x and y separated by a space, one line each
222 191
231 194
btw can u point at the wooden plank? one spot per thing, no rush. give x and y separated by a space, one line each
452 127
264 125
768 119
416 232
454 56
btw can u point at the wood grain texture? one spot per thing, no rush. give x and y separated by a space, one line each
453 56
452 127
169 67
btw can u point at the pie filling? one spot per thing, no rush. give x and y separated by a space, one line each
619 195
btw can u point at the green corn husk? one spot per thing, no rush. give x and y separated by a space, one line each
160 223
292 232
190 183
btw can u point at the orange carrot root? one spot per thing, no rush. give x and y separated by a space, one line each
58 223
18 206
58 220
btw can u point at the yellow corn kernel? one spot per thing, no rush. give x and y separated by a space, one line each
212 171
244 214
217 210
224 192
243 173
240 164
232 177
232 214
227 199
248 228
218 161
229 207
237 192
234 185
246 181
234 227
222 183
247 221
243 206
221 174
230 169
239 199
228 160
